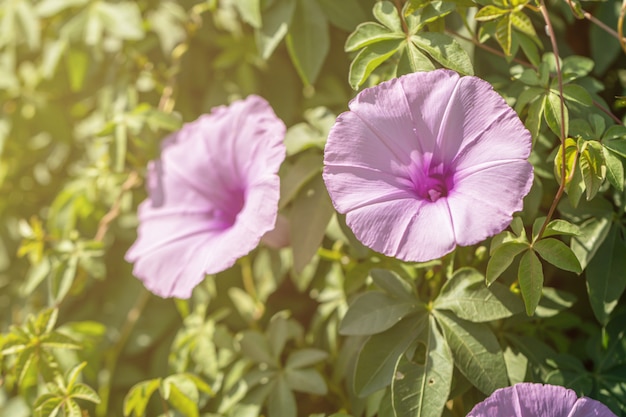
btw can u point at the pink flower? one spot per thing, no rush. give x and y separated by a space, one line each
537 400
212 196
427 161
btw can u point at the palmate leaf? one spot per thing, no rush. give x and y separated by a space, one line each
378 357
374 312
281 400
413 60
476 351
370 58
445 50
467 296
387 14
421 385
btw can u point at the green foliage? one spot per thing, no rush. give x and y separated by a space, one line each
322 326
401 33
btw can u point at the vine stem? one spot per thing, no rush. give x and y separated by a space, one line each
112 355
559 75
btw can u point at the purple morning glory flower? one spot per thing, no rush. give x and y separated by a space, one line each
538 400
427 161
213 194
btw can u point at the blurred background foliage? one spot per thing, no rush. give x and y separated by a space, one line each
89 88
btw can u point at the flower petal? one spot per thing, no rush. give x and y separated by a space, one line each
479 126
404 228
483 201
586 407
544 400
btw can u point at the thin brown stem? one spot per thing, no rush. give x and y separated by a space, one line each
607 112
559 75
132 181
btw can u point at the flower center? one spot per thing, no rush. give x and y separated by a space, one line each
434 188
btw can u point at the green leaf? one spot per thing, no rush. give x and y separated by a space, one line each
552 114
504 31
521 22
182 393
378 357
422 385
281 401
571 154
138 397
594 220
490 12
250 11
558 254
369 58
575 67
387 14
85 392
561 227
309 217
296 176
576 94
467 296
374 312
255 346
605 275
391 283
413 60
535 114
368 33
476 351
530 277
614 169
502 258
445 50
345 14
305 357
308 41
530 48
592 167
276 20
553 301
432 12
278 333
305 380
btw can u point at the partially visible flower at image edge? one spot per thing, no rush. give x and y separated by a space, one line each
427 161
213 194
538 400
